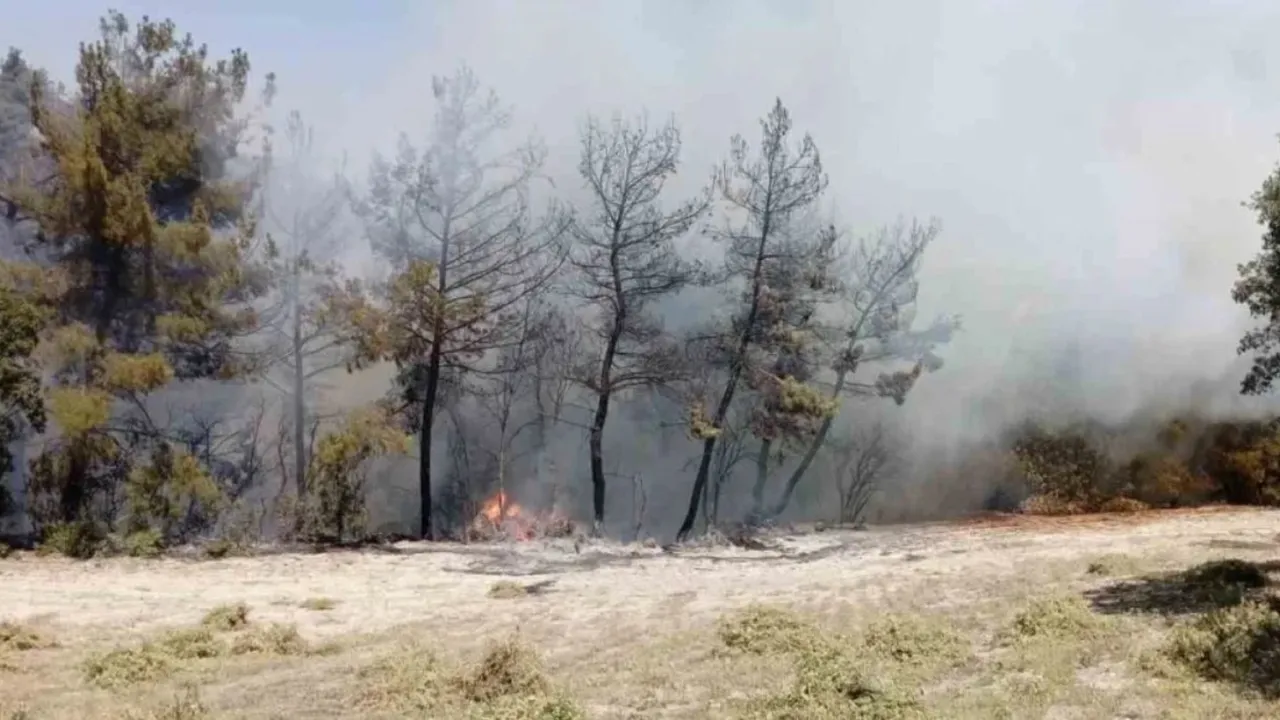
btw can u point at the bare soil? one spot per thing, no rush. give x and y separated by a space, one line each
629 630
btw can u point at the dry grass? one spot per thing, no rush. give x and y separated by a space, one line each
16 637
1140 616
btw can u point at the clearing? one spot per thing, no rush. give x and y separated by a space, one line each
1000 617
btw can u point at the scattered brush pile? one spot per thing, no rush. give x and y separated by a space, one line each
875 674
508 683
224 631
1088 467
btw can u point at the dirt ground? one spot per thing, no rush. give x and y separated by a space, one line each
629 631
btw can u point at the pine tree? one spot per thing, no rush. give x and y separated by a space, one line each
147 240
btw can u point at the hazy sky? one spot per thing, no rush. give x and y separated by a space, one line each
1087 158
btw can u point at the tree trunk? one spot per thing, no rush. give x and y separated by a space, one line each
424 443
730 387
785 497
596 438
433 385
299 402
762 478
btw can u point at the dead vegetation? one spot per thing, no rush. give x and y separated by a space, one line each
876 672
225 631
508 589
319 604
1015 630
1064 617
509 682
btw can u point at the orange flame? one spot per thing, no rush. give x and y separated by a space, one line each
498 508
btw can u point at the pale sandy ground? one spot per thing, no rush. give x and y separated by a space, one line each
603 598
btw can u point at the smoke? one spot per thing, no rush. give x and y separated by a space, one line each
1087 160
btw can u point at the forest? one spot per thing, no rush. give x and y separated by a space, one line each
188 355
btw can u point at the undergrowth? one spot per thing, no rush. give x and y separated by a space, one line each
1238 645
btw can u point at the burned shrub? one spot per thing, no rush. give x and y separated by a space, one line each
1065 468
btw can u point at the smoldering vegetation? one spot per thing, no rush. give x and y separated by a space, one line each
549 339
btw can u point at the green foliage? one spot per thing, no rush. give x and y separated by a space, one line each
1178 463
1239 645
1258 289
767 630
224 631
832 678
1055 618
21 403
165 495
508 683
332 509
149 267
76 539
225 618
145 543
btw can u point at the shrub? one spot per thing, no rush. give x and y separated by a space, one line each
129 666
274 639
1066 464
509 683
829 685
1123 505
507 589
319 604
1164 481
766 630
1238 644
912 640
80 540
19 637
192 644
1053 618
225 618
144 543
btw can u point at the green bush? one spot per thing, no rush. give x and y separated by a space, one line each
81 540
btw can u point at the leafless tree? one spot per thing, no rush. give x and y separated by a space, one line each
764 192
463 206
302 216
862 460
625 259
509 392
875 326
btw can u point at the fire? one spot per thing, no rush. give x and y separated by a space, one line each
499 508
501 516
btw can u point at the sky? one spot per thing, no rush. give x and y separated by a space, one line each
1087 159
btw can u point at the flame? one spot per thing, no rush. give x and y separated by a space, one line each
498 508
498 513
